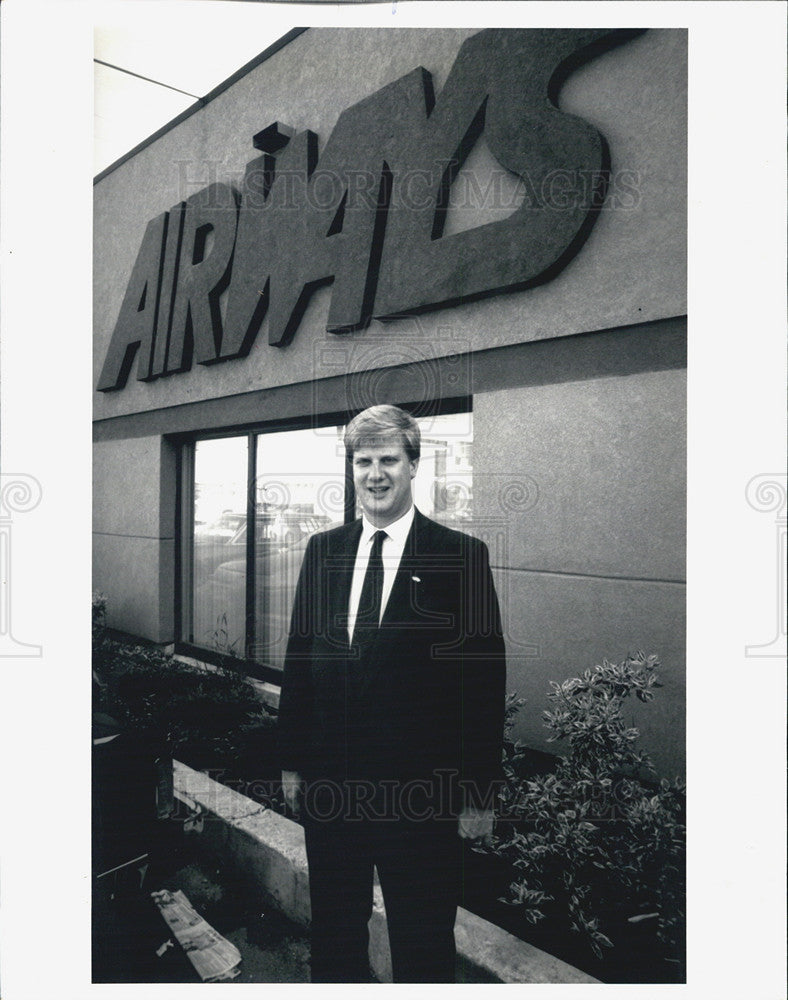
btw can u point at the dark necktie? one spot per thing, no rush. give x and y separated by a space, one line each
368 614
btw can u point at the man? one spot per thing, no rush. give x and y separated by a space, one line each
391 714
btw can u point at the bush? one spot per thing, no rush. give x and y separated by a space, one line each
99 618
595 845
145 688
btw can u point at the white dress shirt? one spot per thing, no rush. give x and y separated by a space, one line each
391 553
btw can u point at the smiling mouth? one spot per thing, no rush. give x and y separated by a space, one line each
377 490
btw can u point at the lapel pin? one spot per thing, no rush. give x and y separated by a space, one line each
416 579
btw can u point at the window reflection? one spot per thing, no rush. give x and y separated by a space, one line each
300 489
219 598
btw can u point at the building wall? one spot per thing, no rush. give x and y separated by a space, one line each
578 385
587 480
632 268
134 509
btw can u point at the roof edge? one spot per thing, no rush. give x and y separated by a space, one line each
202 101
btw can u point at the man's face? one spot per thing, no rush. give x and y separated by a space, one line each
382 473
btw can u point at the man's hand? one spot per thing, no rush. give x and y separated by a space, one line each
476 824
291 787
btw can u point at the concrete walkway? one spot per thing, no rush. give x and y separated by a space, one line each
129 931
243 868
269 850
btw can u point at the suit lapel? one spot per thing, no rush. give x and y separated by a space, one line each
399 608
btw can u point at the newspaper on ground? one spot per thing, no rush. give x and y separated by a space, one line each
213 957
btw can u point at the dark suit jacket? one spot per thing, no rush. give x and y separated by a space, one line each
428 697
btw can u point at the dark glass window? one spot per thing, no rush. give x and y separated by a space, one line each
218 611
237 586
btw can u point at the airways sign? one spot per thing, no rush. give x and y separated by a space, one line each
351 218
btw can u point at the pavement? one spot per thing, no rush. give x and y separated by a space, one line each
129 931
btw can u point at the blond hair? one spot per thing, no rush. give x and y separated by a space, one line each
380 422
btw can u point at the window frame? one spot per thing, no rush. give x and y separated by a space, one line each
184 526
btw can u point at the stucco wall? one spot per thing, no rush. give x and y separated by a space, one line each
631 269
589 554
581 487
134 534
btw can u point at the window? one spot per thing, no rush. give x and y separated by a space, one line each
219 550
299 489
237 585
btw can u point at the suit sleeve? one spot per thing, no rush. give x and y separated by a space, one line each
483 684
295 701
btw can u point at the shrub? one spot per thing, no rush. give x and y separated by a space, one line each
593 842
99 617
144 688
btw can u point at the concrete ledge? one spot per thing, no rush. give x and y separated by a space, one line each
269 849
265 692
